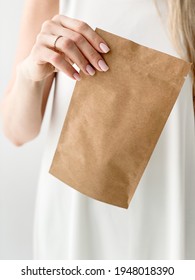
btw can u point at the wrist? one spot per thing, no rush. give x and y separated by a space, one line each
25 69
25 82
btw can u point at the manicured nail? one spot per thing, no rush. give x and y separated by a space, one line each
77 76
104 47
103 65
90 70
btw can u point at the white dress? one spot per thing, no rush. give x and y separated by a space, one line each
160 221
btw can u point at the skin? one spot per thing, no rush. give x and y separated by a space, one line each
36 63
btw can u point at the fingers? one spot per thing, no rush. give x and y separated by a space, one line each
91 56
82 53
78 43
84 29
58 61
71 52
77 48
88 41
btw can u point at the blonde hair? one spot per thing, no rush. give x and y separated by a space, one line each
182 27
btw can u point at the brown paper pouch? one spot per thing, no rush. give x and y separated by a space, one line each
114 120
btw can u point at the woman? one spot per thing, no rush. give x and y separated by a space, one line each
159 223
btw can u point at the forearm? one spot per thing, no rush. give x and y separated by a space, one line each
21 108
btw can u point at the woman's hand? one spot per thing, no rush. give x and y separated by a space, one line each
79 44
24 102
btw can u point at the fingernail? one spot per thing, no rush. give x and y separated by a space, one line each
104 47
103 65
77 76
90 70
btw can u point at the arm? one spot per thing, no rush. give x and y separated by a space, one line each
23 104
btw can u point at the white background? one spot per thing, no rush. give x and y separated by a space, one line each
19 166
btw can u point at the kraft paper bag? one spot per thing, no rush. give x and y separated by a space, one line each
114 120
